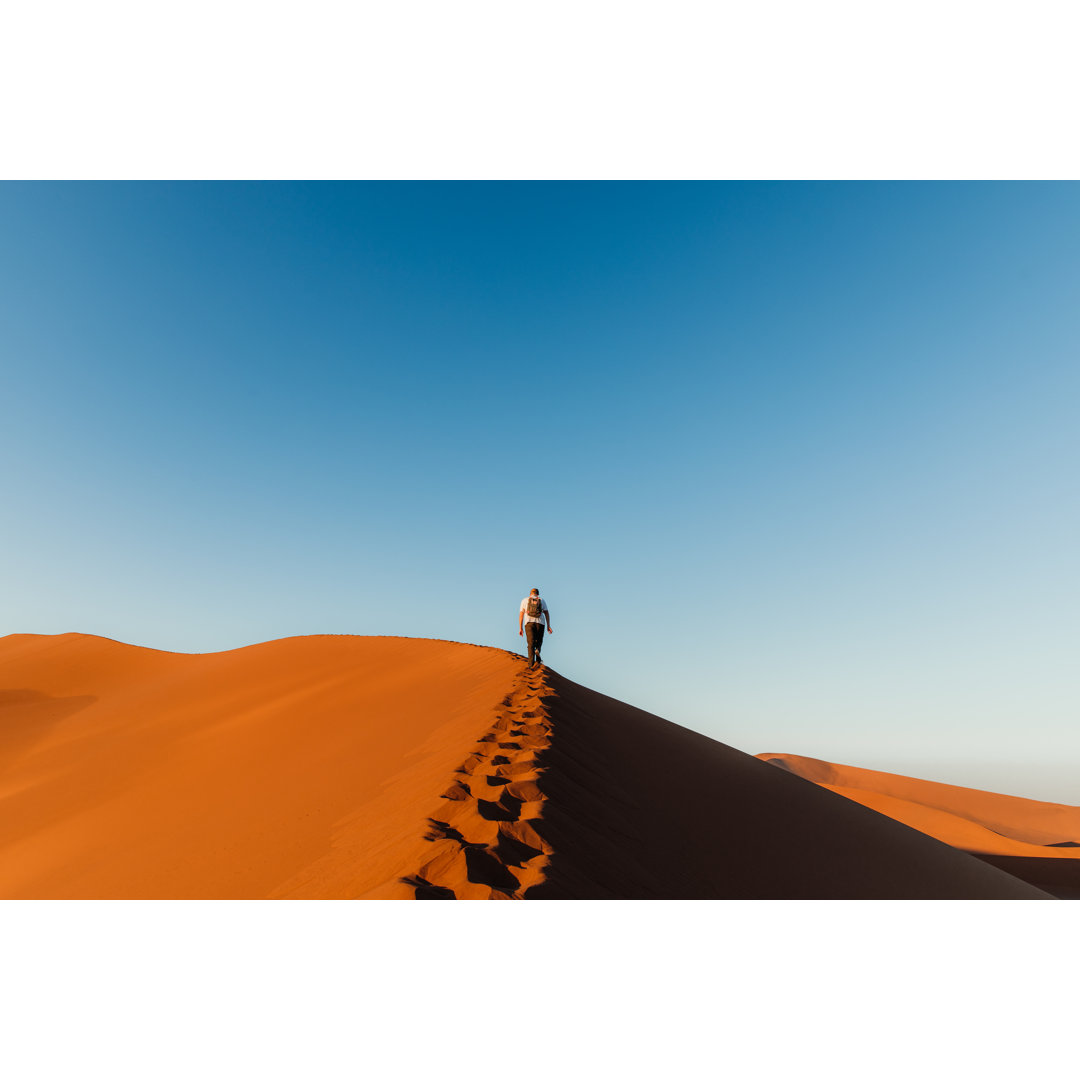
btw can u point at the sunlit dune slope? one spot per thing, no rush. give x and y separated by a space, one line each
347 767
299 767
977 821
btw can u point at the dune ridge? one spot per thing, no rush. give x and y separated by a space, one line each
291 768
641 808
342 767
485 844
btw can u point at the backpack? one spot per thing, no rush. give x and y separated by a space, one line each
533 607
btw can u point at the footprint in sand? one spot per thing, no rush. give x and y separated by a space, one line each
476 861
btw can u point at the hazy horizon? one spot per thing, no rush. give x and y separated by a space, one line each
793 464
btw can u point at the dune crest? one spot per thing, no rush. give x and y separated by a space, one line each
300 767
334 766
485 845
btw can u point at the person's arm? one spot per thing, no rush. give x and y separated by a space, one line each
547 615
521 621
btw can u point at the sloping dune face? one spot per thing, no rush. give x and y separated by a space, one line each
637 807
304 767
345 767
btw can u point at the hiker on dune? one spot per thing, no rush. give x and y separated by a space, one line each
531 618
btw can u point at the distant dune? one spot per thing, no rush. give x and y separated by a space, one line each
1038 841
385 768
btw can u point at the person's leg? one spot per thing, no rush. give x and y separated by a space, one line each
534 638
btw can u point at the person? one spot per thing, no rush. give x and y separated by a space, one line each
531 618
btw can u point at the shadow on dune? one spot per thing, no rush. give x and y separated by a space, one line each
425 890
640 808
1059 877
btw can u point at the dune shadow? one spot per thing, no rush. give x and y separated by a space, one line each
513 852
483 868
508 808
638 808
441 830
1059 877
425 890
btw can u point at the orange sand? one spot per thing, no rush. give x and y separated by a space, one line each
299 767
336 766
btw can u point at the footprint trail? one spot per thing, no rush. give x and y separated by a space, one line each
484 846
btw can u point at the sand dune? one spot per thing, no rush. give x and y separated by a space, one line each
964 817
346 767
1023 836
300 767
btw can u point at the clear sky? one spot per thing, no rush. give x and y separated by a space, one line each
794 465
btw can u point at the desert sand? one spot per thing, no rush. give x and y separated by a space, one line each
1038 841
397 768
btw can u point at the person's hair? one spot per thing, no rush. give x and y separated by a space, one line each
537 591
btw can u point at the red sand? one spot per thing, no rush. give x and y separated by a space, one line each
336 766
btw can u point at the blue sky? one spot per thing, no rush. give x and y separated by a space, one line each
794 464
